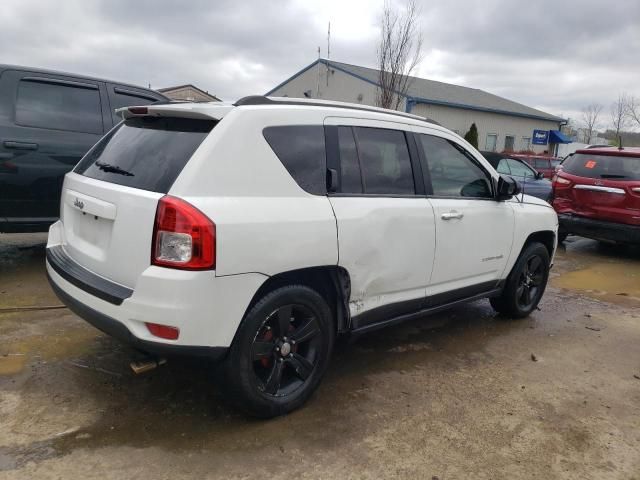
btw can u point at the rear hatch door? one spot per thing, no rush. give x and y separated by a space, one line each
109 201
603 187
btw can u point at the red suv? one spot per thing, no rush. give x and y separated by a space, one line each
597 194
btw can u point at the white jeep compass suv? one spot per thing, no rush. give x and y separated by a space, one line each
254 233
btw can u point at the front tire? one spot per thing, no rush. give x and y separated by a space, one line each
281 352
526 283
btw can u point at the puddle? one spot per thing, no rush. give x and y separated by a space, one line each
609 273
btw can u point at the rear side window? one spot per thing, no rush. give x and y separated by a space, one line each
603 166
453 172
301 150
145 152
384 160
58 107
541 163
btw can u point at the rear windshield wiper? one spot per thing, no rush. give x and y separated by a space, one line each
606 175
107 167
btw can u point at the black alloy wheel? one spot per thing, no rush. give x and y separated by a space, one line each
526 283
530 282
285 350
280 353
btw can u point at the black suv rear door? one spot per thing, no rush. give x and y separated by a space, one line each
125 96
47 123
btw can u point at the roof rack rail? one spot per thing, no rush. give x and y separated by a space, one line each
262 100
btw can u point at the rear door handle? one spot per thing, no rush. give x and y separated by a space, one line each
452 215
20 145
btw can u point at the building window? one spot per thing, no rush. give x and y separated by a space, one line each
509 143
526 143
492 142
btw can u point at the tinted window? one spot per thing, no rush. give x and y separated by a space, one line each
519 169
349 166
602 166
145 152
119 100
453 173
300 148
385 162
58 107
541 163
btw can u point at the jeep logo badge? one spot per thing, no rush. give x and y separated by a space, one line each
78 203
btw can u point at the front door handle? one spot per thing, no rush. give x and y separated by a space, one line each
452 215
20 145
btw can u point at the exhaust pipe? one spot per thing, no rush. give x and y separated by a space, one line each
147 364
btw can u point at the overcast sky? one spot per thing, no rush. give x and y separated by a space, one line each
553 55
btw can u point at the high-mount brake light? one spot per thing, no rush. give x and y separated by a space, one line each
183 236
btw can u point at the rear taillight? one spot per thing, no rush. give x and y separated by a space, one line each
183 237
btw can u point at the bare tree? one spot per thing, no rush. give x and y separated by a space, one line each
399 53
619 115
590 115
633 109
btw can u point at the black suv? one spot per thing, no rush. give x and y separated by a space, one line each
48 121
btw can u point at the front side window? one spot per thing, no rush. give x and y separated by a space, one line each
453 173
301 150
349 163
384 160
58 107
503 167
519 169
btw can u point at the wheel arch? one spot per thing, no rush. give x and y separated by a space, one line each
330 281
546 237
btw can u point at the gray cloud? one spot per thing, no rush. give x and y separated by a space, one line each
557 56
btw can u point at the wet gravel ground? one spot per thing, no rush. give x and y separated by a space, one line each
463 394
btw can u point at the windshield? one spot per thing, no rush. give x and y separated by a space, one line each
603 166
145 152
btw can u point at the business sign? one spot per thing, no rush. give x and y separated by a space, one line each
540 137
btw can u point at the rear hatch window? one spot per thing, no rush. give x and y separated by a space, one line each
145 152
603 166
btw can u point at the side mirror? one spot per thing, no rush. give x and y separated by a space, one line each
507 188
539 175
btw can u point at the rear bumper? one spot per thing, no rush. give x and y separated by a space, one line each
119 331
205 308
599 230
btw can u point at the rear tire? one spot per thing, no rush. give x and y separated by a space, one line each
526 283
280 353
